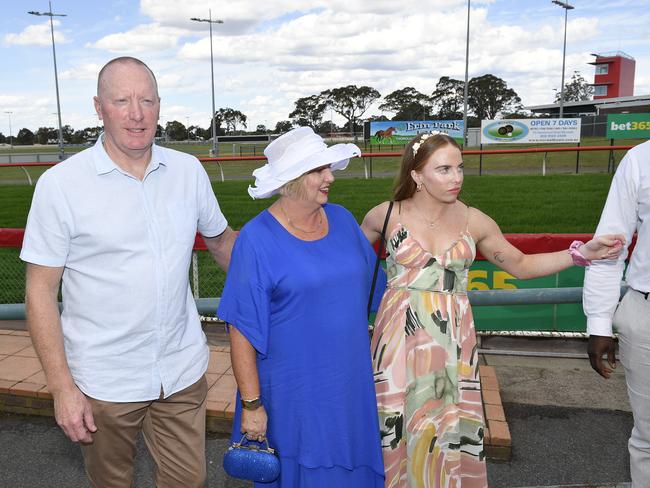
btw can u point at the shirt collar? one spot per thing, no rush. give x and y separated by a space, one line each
104 164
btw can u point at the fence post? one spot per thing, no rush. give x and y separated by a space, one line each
578 159
365 167
195 274
480 160
610 163
544 164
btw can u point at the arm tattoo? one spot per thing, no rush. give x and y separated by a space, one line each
498 257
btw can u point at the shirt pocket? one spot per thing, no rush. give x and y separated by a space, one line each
183 220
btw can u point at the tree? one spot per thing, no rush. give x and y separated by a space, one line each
231 118
326 127
309 111
407 104
283 126
261 129
176 130
67 134
46 134
576 90
25 137
350 101
448 98
78 137
3 138
489 95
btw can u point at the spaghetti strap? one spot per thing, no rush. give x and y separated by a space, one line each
399 213
467 221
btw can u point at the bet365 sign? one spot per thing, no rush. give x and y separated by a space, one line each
628 126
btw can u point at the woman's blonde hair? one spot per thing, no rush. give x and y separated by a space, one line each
414 159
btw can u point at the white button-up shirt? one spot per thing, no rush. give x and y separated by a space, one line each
129 321
627 210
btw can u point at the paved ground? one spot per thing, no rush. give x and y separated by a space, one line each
569 427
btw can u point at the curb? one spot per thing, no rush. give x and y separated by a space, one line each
497 441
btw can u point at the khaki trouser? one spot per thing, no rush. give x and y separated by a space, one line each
174 431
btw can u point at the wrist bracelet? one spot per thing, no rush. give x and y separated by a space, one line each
578 258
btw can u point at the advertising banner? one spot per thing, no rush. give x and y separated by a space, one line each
628 126
400 132
530 131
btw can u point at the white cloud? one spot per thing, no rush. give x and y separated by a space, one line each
143 38
86 71
37 35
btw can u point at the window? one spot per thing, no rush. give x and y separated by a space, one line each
602 69
600 90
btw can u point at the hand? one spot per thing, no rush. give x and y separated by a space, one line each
74 415
603 247
253 424
599 345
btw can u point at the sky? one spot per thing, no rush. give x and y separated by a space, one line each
267 54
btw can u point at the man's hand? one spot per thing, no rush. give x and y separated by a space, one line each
253 424
599 345
74 415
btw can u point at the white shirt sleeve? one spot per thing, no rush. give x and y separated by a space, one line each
603 278
49 225
211 221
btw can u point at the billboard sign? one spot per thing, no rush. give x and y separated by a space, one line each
530 131
400 132
628 126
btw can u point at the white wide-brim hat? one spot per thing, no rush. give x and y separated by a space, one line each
295 153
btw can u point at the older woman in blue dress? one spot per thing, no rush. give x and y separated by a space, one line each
296 297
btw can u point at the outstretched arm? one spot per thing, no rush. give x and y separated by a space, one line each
496 249
71 408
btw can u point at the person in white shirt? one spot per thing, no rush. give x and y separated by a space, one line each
626 211
115 226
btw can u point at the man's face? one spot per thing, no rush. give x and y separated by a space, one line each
129 106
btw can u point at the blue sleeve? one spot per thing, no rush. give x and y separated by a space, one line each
371 259
246 298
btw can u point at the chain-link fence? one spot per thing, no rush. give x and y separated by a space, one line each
206 278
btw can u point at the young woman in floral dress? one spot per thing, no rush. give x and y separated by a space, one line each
424 348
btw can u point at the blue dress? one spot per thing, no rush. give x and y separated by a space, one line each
302 305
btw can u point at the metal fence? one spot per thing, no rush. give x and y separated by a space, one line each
206 278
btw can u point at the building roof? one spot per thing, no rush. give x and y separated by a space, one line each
588 106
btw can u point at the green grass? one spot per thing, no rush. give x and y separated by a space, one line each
527 204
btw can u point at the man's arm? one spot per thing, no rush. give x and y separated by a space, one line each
221 247
71 408
603 278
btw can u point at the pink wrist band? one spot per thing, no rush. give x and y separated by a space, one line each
576 255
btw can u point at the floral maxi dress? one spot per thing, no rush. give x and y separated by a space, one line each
425 367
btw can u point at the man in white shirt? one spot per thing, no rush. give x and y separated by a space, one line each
626 211
115 225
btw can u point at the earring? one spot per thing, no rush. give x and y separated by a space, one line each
418 187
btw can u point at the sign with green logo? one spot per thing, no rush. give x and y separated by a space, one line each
628 126
530 131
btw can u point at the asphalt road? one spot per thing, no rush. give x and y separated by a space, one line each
552 446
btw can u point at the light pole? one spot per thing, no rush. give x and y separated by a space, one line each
565 5
215 147
465 90
11 141
56 77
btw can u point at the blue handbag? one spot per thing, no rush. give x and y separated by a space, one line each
250 462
